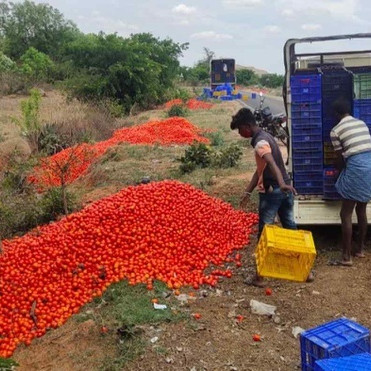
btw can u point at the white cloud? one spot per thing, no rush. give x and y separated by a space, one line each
339 9
287 12
211 35
272 29
242 3
110 25
311 27
184 9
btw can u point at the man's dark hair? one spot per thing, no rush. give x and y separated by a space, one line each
242 118
342 107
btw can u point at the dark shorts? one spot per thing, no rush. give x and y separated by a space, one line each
276 203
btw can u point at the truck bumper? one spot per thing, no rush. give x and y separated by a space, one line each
317 211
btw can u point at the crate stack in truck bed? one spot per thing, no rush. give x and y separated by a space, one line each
312 96
307 140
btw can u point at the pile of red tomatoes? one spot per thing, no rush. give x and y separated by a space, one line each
192 104
167 231
69 164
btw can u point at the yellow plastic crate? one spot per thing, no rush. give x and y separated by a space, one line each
285 254
235 92
245 97
217 93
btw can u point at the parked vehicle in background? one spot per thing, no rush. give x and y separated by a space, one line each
222 71
272 124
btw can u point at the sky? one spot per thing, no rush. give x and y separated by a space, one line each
251 31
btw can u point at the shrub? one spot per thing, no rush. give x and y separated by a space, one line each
201 156
177 110
30 124
216 138
197 155
6 64
51 205
36 65
227 157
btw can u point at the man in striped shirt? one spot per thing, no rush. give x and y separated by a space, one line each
352 144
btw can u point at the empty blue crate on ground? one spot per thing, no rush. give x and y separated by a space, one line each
339 338
306 88
359 362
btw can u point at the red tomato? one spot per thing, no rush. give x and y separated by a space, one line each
256 337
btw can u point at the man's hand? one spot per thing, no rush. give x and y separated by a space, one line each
288 188
244 201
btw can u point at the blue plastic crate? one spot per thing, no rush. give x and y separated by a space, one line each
307 131
306 137
300 168
308 190
362 110
302 153
339 338
359 362
305 88
329 180
306 145
315 176
299 124
304 110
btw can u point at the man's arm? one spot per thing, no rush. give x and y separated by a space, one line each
339 160
277 174
253 183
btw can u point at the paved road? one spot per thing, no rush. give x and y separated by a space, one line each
274 103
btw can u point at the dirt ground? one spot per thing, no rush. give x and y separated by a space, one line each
217 341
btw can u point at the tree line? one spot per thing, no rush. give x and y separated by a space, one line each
38 44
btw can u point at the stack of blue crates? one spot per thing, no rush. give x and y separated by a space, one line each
336 84
359 362
329 180
339 338
307 144
362 101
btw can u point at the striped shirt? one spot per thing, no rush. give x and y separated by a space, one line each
351 136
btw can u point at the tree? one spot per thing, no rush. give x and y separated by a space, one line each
25 25
36 65
246 77
272 80
138 70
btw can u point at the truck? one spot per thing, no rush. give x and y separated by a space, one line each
313 209
222 71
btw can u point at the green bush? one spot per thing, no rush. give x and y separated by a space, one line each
51 204
6 64
30 124
227 157
200 155
177 110
36 66
197 155
7 364
216 138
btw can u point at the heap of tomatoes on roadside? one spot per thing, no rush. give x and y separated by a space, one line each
167 231
69 164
